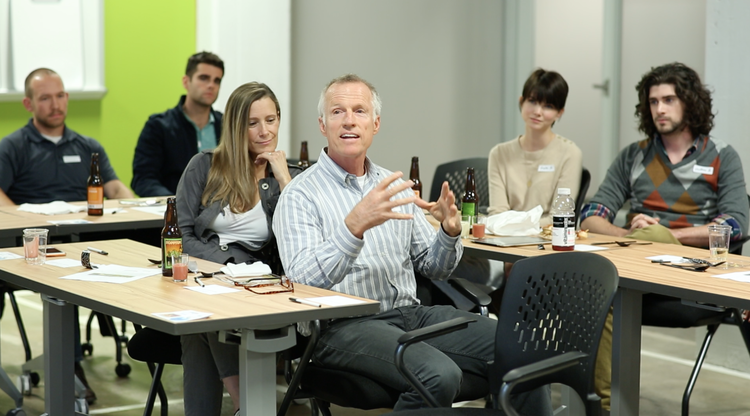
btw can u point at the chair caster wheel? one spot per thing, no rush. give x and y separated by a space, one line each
23 382
87 348
122 370
35 378
82 406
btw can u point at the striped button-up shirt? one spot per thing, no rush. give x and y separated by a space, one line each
317 248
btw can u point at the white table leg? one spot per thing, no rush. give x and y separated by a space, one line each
59 393
626 353
258 368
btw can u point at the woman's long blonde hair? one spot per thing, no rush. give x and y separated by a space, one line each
231 179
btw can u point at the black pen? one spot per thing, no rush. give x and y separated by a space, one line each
305 302
197 280
96 250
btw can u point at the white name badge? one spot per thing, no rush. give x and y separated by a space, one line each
546 168
703 170
71 159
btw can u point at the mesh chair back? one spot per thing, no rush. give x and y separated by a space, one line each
554 304
455 173
585 182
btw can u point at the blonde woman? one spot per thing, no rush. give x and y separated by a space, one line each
225 204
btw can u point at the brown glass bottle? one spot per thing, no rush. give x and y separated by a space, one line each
171 238
470 200
414 176
304 161
95 188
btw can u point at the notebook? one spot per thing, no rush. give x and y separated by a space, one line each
512 241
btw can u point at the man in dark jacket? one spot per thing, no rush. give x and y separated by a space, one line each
170 139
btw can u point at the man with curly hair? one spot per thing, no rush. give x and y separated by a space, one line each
678 180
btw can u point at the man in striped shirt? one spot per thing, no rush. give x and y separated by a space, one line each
349 225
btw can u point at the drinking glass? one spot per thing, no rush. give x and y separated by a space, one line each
35 245
465 225
180 267
718 244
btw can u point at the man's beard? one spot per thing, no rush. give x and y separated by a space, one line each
45 122
666 130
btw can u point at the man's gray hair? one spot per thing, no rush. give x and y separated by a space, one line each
377 104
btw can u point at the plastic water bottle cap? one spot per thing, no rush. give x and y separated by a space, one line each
563 191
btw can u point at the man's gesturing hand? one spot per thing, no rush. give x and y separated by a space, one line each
444 210
377 206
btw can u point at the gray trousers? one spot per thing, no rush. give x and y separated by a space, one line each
366 345
205 362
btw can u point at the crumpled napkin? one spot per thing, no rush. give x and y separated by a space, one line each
246 270
52 208
516 223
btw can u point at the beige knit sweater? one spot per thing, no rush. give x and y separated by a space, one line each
520 180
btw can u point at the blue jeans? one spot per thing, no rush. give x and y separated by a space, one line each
367 345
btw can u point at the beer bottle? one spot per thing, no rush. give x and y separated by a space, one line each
414 176
95 188
304 162
171 238
470 200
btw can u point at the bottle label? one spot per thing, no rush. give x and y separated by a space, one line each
563 231
418 193
95 197
172 247
469 208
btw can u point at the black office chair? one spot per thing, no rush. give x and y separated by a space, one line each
551 319
107 328
455 173
156 349
325 386
585 182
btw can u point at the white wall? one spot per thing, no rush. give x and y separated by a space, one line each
656 32
436 64
569 40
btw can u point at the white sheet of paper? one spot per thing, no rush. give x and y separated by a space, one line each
113 273
588 247
7 255
182 316
64 263
738 276
335 300
212 289
63 222
156 210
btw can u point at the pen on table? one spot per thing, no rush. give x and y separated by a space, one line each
198 280
96 250
305 302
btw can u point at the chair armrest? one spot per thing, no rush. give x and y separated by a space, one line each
470 291
419 335
535 370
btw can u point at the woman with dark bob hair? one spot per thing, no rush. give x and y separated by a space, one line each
526 172
225 204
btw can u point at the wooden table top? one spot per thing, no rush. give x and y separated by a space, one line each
638 273
137 300
12 221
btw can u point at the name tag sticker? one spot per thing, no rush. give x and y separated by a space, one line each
703 170
546 168
71 159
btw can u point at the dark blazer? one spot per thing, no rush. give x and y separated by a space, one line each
167 143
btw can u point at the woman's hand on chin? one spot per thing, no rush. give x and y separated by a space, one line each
279 167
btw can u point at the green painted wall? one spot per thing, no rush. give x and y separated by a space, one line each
146 46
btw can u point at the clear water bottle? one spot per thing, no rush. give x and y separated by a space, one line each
563 221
